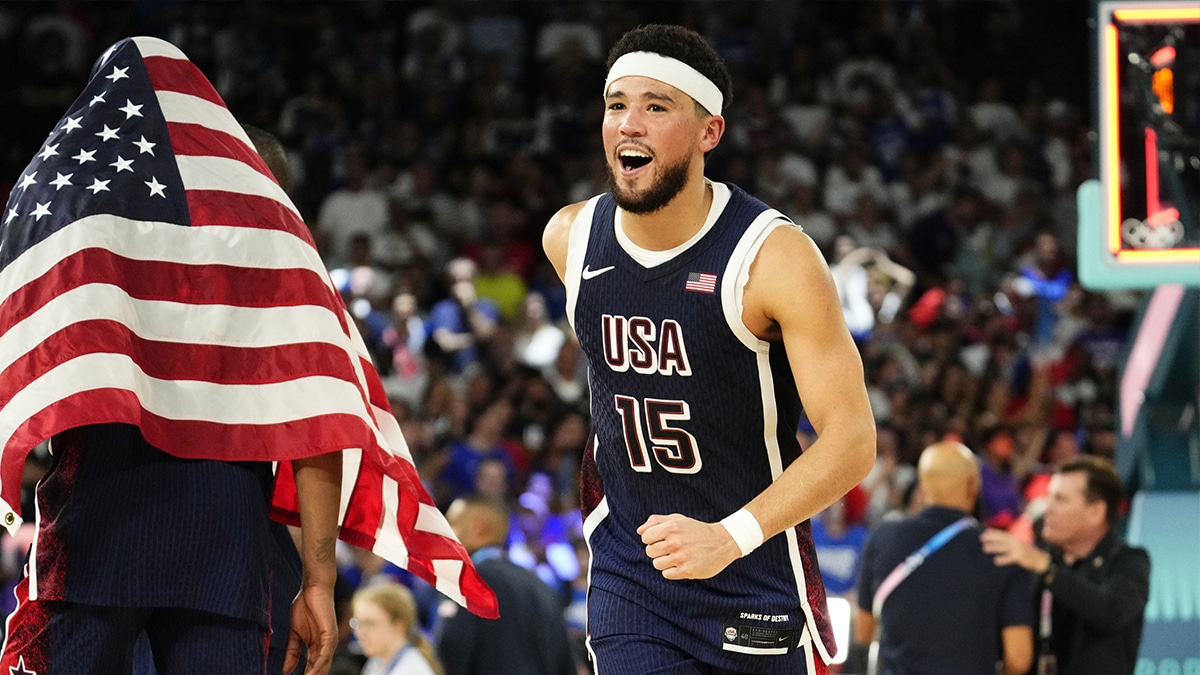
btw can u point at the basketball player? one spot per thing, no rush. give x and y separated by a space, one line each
706 318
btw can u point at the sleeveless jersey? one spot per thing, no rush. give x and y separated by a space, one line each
692 414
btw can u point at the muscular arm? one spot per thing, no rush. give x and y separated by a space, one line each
318 489
790 297
1104 606
790 292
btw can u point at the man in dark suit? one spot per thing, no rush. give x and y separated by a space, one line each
1094 586
530 637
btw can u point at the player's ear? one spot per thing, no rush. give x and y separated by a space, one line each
714 129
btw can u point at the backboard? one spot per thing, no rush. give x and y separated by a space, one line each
1139 225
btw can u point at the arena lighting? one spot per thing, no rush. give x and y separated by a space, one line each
1110 99
1110 263
1157 14
839 618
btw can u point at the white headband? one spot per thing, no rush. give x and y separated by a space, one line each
668 71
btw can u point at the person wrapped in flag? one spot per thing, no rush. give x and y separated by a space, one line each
166 322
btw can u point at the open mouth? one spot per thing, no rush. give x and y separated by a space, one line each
632 160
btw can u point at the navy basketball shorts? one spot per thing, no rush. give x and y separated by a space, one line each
623 654
62 638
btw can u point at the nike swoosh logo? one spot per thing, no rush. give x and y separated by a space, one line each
592 274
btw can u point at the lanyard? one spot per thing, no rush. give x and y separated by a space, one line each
1047 661
1044 622
914 560
487 553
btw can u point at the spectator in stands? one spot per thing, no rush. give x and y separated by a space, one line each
838 535
889 479
948 608
800 205
933 242
847 180
1001 489
1046 282
462 322
385 623
850 276
497 282
537 339
870 226
356 208
1094 587
461 461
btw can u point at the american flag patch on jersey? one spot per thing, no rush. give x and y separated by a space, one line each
701 282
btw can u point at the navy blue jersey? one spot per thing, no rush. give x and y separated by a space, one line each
123 524
692 414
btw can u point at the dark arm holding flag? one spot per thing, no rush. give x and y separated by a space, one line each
318 487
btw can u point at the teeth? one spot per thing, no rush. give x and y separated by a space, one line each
634 153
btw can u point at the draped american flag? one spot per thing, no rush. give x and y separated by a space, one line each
153 273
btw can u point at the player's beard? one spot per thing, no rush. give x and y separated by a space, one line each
670 182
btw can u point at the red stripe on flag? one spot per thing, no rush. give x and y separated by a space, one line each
175 282
168 74
191 439
194 140
366 498
234 209
177 361
375 391
704 283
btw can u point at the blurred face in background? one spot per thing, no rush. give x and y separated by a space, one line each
378 635
1070 517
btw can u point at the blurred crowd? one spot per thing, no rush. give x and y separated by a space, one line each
931 148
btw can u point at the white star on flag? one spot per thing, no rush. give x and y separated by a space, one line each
20 668
108 134
62 181
12 213
27 180
71 124
49 151
131 110
41 210
117 74
123 164
85 156
145 146
98 98
156 188
98 186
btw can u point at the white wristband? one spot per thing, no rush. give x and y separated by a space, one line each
745 530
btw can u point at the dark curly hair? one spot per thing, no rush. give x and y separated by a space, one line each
679 43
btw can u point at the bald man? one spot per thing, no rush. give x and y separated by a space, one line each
949 609
530 637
